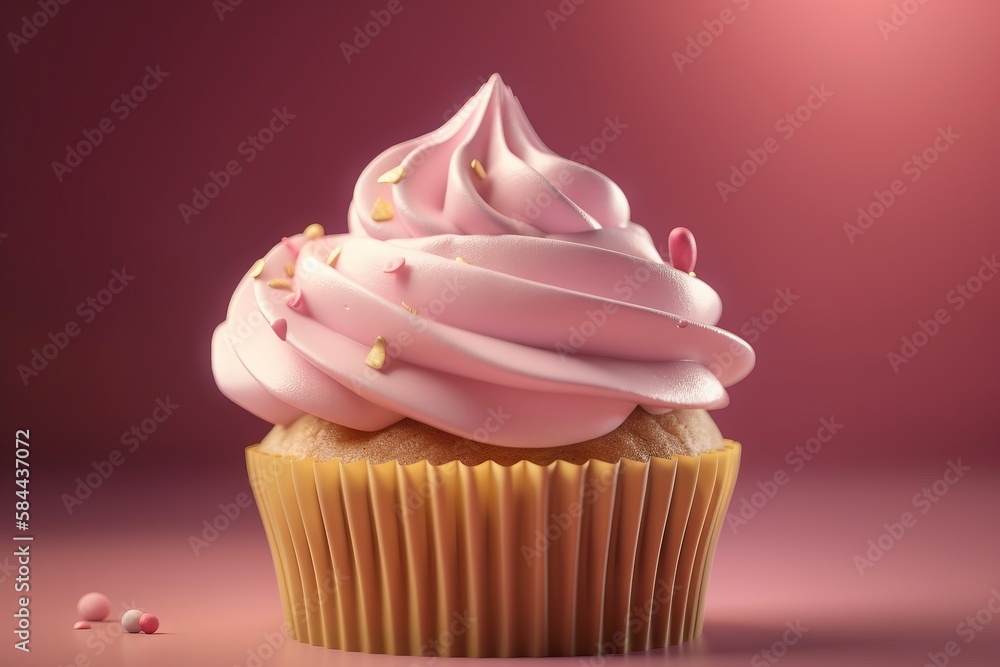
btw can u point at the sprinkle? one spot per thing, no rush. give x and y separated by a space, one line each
376 358
477 167
393 264
461 260
410 308
279 283
692 274
294 300
382 211
682 249
334 254
290 270
394 175
314 231
257 268
280 327
81 625
682 324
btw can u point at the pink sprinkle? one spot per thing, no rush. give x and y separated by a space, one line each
81 625
682 249
393 264
280 327
148 623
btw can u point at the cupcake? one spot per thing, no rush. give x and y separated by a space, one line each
490 404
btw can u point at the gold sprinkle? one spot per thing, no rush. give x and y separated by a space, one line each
692 274
477 167
376 358
290 270
314 231
410 308
279 283
382 211
461 260
334 254
394 175
257 268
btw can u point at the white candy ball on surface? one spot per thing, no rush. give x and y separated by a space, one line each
130 620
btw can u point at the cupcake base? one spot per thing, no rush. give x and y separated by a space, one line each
492 560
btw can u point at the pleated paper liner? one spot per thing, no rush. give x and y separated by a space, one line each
492 560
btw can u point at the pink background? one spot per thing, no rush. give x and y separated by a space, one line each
825 358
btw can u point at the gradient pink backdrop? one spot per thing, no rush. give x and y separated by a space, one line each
825 358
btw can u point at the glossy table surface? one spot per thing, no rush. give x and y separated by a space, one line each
785 587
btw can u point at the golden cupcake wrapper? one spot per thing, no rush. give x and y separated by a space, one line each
492 560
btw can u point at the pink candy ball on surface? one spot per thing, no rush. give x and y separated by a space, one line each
81 625
93 607
149 623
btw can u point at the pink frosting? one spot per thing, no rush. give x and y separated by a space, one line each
560 321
